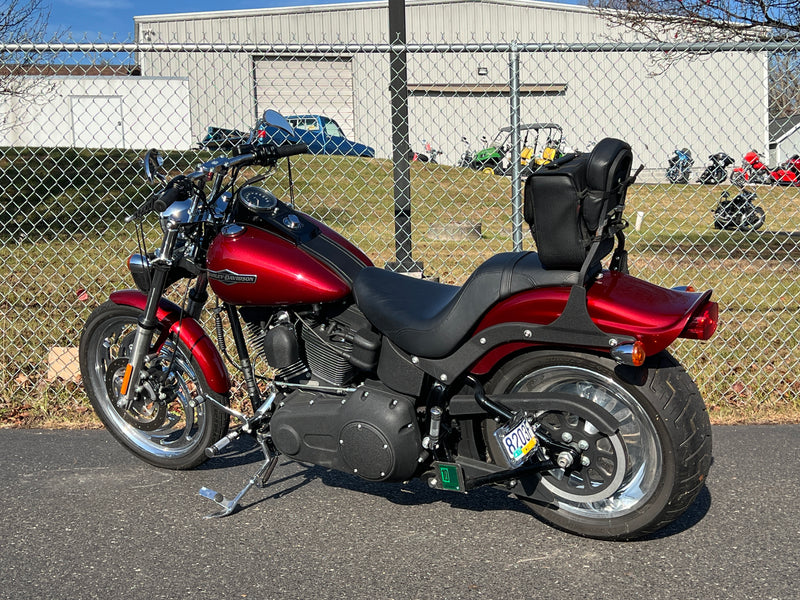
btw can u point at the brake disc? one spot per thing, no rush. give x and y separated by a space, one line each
146 412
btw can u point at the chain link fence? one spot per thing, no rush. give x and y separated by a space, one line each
76 117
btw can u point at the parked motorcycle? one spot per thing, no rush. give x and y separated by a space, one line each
753 171
544 374
717 169
787 173
466 157
431 156
679 166
740 214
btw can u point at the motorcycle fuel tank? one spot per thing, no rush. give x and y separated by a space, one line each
248 265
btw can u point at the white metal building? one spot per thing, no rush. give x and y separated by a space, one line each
694 103
784 139
99 112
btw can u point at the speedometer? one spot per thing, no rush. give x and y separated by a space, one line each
257 199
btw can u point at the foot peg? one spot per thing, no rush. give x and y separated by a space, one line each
215 449
259 480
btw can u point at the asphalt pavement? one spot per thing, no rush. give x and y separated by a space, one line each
82 518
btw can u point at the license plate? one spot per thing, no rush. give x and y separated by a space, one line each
517 441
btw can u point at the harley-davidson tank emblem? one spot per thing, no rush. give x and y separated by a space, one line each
228 277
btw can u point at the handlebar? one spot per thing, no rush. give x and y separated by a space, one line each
180 187
267 153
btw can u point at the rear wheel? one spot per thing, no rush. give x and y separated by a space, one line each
169 424
635 481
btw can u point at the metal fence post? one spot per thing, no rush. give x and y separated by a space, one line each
398 91
516 187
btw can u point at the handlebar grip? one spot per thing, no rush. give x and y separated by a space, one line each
166 199
291 149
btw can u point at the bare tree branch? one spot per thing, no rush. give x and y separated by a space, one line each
714 21
705 20
21 21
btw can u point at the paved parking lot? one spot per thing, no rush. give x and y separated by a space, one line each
81 518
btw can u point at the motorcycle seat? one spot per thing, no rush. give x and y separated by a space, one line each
430 319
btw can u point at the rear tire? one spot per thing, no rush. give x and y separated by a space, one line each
169 425
654 466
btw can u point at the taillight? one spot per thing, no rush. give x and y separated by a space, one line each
703 323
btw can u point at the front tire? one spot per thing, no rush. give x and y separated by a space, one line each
171 423
753 220
644 476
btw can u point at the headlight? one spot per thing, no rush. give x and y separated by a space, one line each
139 267
177 211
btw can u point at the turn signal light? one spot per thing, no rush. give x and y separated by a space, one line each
629 354
703 323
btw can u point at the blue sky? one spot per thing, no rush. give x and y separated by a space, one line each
102 19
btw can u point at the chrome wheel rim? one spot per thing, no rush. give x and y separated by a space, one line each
167 419
634 450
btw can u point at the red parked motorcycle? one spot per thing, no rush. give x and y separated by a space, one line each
544 374
753 170
788 173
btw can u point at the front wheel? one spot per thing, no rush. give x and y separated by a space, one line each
633 482
753 220
170 423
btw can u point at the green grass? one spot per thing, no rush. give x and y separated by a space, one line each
61 231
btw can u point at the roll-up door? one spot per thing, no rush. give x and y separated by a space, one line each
312 85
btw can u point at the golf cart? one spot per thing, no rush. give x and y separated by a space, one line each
540 144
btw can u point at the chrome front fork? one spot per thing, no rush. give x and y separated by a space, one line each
148 322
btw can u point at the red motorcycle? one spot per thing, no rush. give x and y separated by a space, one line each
544 374
788 173
753 170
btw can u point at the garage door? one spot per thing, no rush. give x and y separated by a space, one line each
307 86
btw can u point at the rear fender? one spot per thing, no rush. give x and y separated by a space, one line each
617 304
189 331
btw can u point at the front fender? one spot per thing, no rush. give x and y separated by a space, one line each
190 333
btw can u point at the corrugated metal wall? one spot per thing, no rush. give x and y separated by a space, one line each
606 93
450 21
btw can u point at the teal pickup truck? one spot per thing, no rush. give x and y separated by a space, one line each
321 134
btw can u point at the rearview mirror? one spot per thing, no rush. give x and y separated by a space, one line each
152 162
273 118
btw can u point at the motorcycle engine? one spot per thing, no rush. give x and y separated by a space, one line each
327 347
372 433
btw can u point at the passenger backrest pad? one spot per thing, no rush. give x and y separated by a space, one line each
570 199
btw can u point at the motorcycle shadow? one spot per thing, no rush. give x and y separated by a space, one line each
693 515
412 493
245 451
417 493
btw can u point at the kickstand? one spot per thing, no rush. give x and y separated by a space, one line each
259 479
